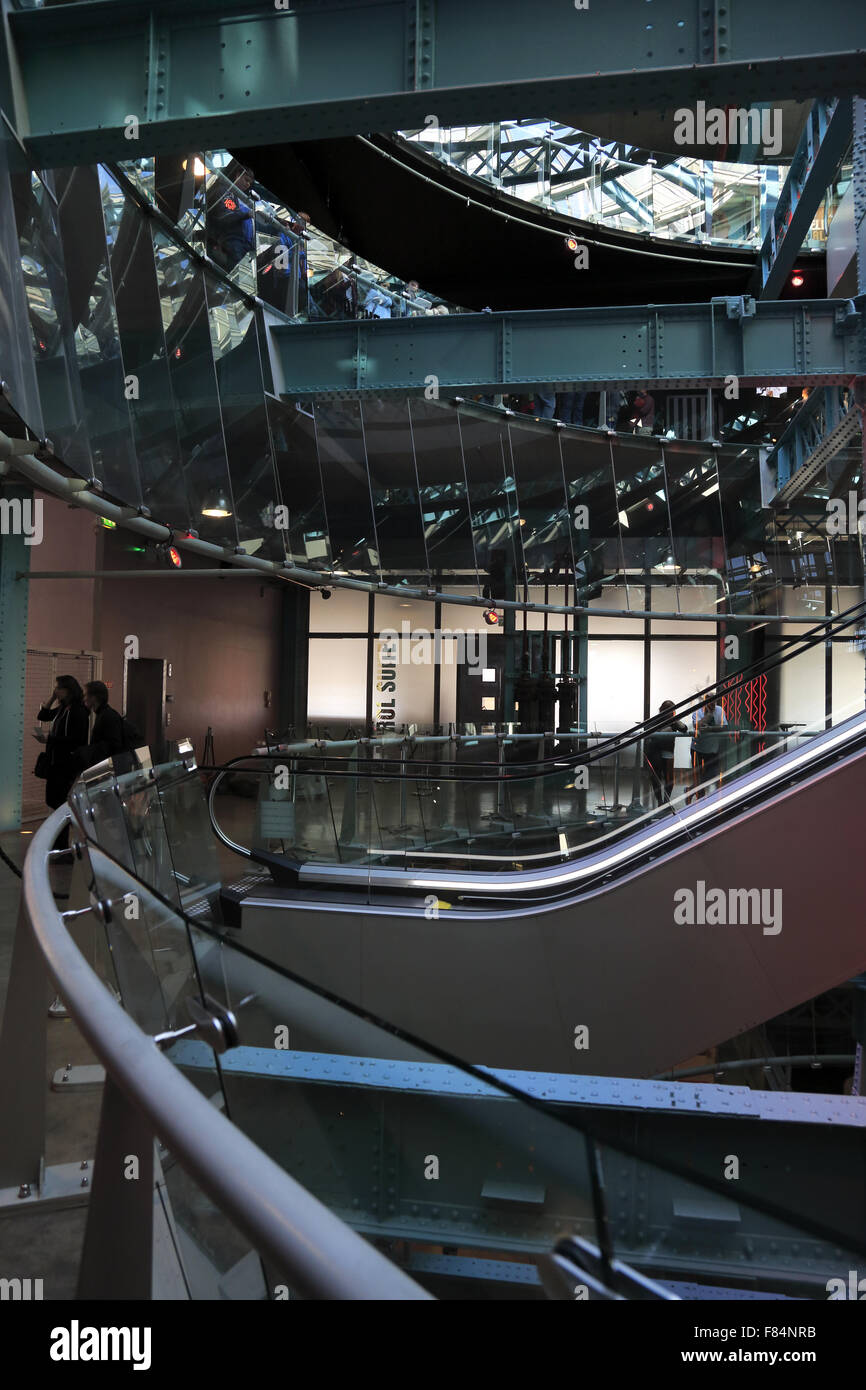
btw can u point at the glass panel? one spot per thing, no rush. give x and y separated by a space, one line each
695 519
148 383
16 343
392 468
545 519
445 510
493 503
97 338
193 382
359 1115
346 485
234 332
190 841
643 514
50 319
337 704
593 506
293 439
218 1262
753 581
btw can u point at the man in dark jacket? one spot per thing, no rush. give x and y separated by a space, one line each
107 736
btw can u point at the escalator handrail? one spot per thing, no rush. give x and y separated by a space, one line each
652 837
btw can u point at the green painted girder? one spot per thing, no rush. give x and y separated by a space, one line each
826 137
212 73
673 345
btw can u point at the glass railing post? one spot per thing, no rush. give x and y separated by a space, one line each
23 1064
117 1259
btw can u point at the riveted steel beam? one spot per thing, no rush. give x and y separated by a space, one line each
363 1133
674 345
217 72
826 136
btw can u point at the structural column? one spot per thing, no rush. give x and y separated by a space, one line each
15 502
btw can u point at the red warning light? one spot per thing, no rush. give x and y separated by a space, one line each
798 279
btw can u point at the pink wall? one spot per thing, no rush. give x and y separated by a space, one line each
61 613
220 636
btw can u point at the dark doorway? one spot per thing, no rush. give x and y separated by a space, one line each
479 687
145 702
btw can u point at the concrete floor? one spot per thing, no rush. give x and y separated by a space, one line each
47 1244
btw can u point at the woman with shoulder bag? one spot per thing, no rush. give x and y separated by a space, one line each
70 727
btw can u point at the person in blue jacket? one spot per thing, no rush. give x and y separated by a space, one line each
234 219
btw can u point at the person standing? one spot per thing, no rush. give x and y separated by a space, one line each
69 727
659 750
707 746
643 412
107 735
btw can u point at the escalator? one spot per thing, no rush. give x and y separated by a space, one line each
481 1182
526 918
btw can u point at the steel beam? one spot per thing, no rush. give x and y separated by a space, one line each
826 136
673 345
211 73
361 1131
822 427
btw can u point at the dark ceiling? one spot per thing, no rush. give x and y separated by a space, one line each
416 218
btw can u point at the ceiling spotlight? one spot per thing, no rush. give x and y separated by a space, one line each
571 243
491 617
798 279
216 505
326 593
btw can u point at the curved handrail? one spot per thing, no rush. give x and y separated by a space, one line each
561 881
322 1257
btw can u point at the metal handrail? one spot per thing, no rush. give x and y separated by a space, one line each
321 1256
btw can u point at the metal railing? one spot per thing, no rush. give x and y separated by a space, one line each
318 1254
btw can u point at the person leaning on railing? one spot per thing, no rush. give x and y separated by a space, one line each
659 747
707 746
